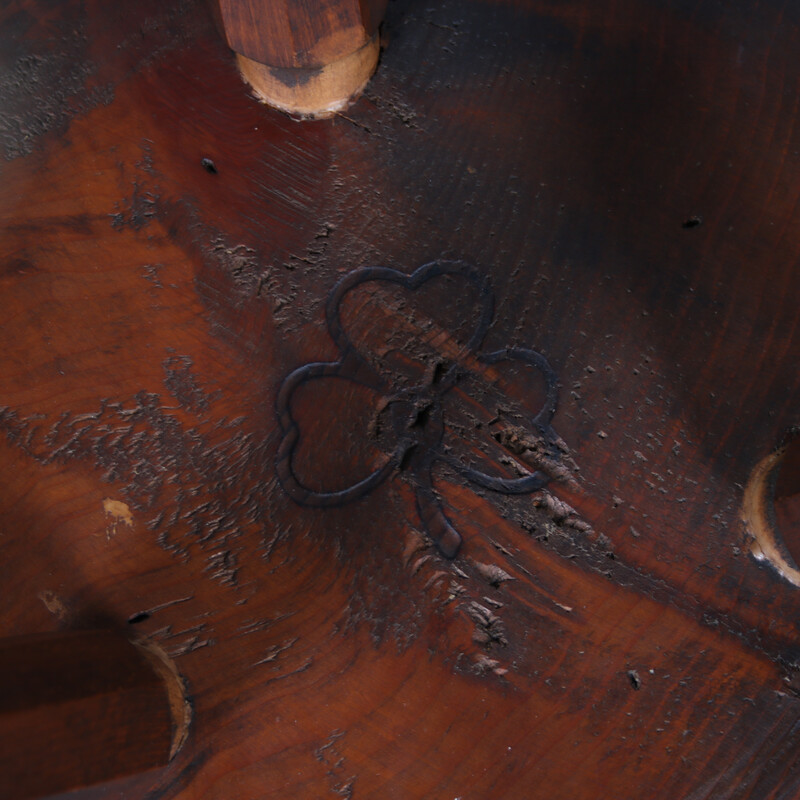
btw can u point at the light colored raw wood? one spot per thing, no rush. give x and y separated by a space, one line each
315 93
179 707
758 516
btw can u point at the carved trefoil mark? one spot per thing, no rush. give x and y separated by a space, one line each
411 412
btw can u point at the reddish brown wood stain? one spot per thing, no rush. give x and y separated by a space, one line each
291 35
153 308
83 707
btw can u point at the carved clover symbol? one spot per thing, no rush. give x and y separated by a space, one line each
413 410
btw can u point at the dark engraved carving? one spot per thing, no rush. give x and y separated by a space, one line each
418 420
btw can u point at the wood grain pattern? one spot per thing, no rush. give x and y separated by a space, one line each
79 708
298 34
627 175
309 59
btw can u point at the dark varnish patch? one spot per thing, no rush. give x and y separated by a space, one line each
42 91
182 383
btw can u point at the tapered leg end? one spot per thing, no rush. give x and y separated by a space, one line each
314 93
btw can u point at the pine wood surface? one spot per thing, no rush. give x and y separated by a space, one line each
625 178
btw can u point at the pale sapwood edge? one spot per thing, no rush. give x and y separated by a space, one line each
313 93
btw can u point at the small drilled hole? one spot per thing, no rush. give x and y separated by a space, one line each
209 166
135 619
692 222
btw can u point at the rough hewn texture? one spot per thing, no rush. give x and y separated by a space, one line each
626 176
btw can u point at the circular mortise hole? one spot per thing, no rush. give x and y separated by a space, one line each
786 498
771 508
179 705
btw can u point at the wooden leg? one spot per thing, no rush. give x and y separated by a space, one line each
84 707
307 58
